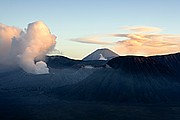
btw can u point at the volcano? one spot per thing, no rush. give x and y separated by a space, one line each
130 79
101 54
146 86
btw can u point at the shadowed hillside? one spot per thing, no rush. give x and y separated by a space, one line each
131 79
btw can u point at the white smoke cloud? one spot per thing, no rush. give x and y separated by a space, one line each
41 68
6 35
25 46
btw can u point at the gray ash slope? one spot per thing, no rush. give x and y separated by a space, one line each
106 53
63 71
58 77
131 79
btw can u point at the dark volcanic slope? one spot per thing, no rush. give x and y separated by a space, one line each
172 61
19 79
60 62
140 64
131 79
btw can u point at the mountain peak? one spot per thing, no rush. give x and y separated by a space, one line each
101 54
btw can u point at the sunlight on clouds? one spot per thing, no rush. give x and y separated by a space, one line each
142 29
148 44
96 39
20 48
6 33
142 40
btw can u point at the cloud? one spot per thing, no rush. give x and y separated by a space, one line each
147 44
140 42
93 40
25 46
142 29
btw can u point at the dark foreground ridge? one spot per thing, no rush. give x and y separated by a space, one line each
123 88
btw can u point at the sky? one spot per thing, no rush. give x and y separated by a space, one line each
71 20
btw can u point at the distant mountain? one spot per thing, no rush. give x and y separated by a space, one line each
101 54
61 62
130 79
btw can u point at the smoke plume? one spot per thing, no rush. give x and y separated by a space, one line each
20 48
